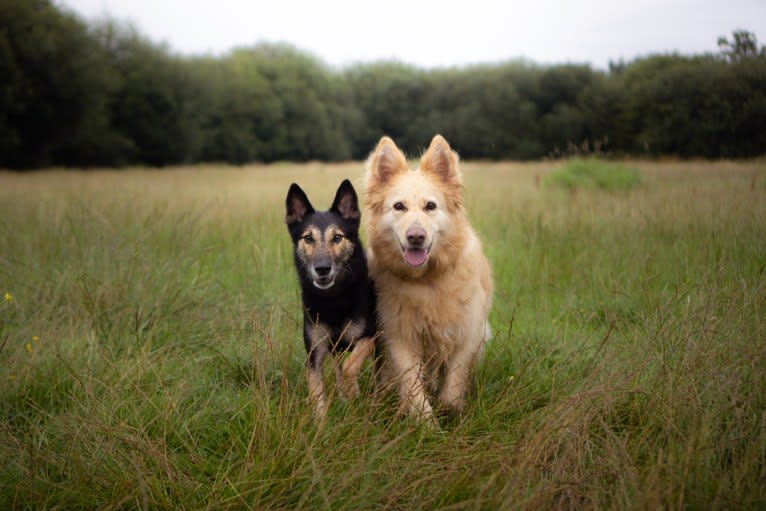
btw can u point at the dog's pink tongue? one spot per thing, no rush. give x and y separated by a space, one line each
415 256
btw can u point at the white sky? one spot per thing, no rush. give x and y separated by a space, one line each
430 33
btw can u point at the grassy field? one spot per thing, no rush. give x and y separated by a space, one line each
151 358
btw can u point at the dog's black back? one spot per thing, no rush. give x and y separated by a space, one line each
338 296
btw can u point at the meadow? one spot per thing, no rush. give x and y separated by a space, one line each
151 354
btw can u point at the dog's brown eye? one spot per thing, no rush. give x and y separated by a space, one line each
430 205
399 206
337 238
309 239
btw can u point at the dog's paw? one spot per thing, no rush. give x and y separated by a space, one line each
348 388
450 403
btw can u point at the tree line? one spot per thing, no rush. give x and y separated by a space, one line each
79 94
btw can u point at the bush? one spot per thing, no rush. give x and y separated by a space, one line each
595 173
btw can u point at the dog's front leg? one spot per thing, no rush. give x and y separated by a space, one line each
408 367
348 377
316 339
316 389
316 393
456 378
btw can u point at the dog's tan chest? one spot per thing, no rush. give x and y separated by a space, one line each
321 333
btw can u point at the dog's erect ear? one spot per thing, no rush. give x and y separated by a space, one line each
346 204
441 161
386 160
297 204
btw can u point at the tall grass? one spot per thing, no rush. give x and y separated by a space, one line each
150 352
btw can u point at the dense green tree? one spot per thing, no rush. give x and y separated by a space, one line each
697 106
312 124
54 88
390 96
149 106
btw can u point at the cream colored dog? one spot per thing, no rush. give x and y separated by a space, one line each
433 281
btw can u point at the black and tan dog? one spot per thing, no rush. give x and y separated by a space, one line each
338 297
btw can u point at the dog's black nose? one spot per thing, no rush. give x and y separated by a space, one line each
416 235
322 271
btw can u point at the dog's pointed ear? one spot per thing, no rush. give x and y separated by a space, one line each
346 203
385 161
440 160
297 205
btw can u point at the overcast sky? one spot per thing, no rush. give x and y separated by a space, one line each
442 33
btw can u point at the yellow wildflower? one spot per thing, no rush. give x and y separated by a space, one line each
35 338
8 297
28 347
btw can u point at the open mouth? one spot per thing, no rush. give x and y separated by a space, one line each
415 256
324 282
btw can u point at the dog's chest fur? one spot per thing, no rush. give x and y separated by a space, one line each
338 337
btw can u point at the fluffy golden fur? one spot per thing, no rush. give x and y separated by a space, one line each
433 281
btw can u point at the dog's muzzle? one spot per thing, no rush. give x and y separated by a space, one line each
415 252
323 274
